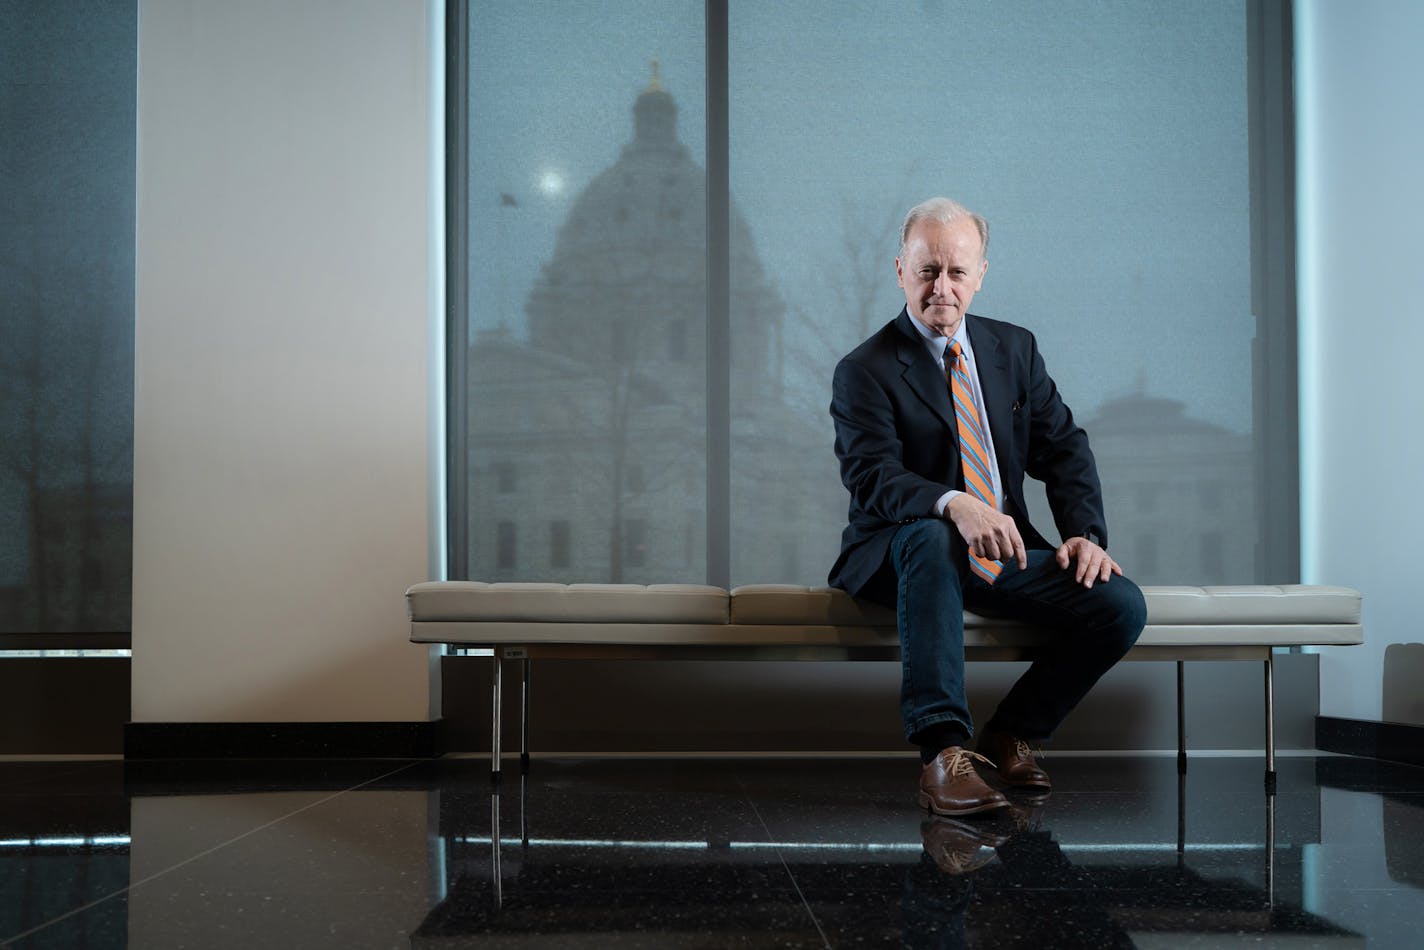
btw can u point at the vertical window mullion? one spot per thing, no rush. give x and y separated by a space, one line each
1276 422
457 289
719 350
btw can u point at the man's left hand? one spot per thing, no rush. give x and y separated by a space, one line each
1093 563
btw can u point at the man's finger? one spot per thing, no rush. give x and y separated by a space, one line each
1007 539
1088 560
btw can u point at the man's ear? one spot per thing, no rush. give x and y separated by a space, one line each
899 273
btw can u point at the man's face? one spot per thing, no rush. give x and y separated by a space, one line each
941 270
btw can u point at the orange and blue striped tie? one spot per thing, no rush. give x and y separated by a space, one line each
973 454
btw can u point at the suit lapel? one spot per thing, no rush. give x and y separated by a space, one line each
998 389
921 374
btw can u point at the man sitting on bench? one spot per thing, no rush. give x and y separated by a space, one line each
939 416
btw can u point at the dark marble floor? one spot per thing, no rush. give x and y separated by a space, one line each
704 853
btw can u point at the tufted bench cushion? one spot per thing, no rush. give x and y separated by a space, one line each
473 612
567 603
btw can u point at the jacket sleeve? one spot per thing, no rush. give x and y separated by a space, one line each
872 453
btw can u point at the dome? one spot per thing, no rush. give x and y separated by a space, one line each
655 119
629 269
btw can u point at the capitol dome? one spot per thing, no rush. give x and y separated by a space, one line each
628 274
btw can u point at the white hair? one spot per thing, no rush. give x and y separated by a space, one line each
943 210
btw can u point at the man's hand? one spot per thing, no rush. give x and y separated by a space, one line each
1093 562
989 533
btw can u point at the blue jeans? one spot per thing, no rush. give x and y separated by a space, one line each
933 587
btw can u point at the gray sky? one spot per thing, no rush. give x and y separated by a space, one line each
1111 161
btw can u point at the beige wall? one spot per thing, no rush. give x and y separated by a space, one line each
281 474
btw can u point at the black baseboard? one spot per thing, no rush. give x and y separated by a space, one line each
1393 741
283 740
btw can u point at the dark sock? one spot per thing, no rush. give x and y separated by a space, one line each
935 739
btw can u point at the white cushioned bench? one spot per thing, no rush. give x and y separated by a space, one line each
775 621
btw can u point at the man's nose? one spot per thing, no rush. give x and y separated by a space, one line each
943 285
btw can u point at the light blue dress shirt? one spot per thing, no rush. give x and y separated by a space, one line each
937 345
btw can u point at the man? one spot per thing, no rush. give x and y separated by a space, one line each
939 416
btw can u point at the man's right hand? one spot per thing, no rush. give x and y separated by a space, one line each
989 533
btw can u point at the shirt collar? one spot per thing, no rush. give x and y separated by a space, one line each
938 344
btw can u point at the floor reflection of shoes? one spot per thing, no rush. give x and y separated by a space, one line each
959 847
1023 812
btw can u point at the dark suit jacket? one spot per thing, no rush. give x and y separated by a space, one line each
899 448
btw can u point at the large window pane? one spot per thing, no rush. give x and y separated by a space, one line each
67 108
1108 145
587 291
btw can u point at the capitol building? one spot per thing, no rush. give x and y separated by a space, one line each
588 465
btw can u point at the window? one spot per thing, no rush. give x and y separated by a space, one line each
66 349
1133 162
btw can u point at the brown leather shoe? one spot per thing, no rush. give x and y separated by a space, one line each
950 786
1016 764
958 847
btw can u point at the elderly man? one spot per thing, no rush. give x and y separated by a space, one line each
939 416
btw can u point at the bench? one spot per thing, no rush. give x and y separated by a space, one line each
522 621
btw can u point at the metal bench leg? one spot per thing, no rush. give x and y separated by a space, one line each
523 812
1270 722
1181 720
494 716
496 869
1181 818
1271 851
524 721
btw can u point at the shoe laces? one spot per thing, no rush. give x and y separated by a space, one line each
959 763
962 862
1024 818
1022 750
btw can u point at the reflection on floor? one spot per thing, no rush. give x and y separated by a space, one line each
706 853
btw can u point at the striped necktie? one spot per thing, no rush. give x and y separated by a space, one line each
973 454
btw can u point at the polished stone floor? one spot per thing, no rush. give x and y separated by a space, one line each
705 853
